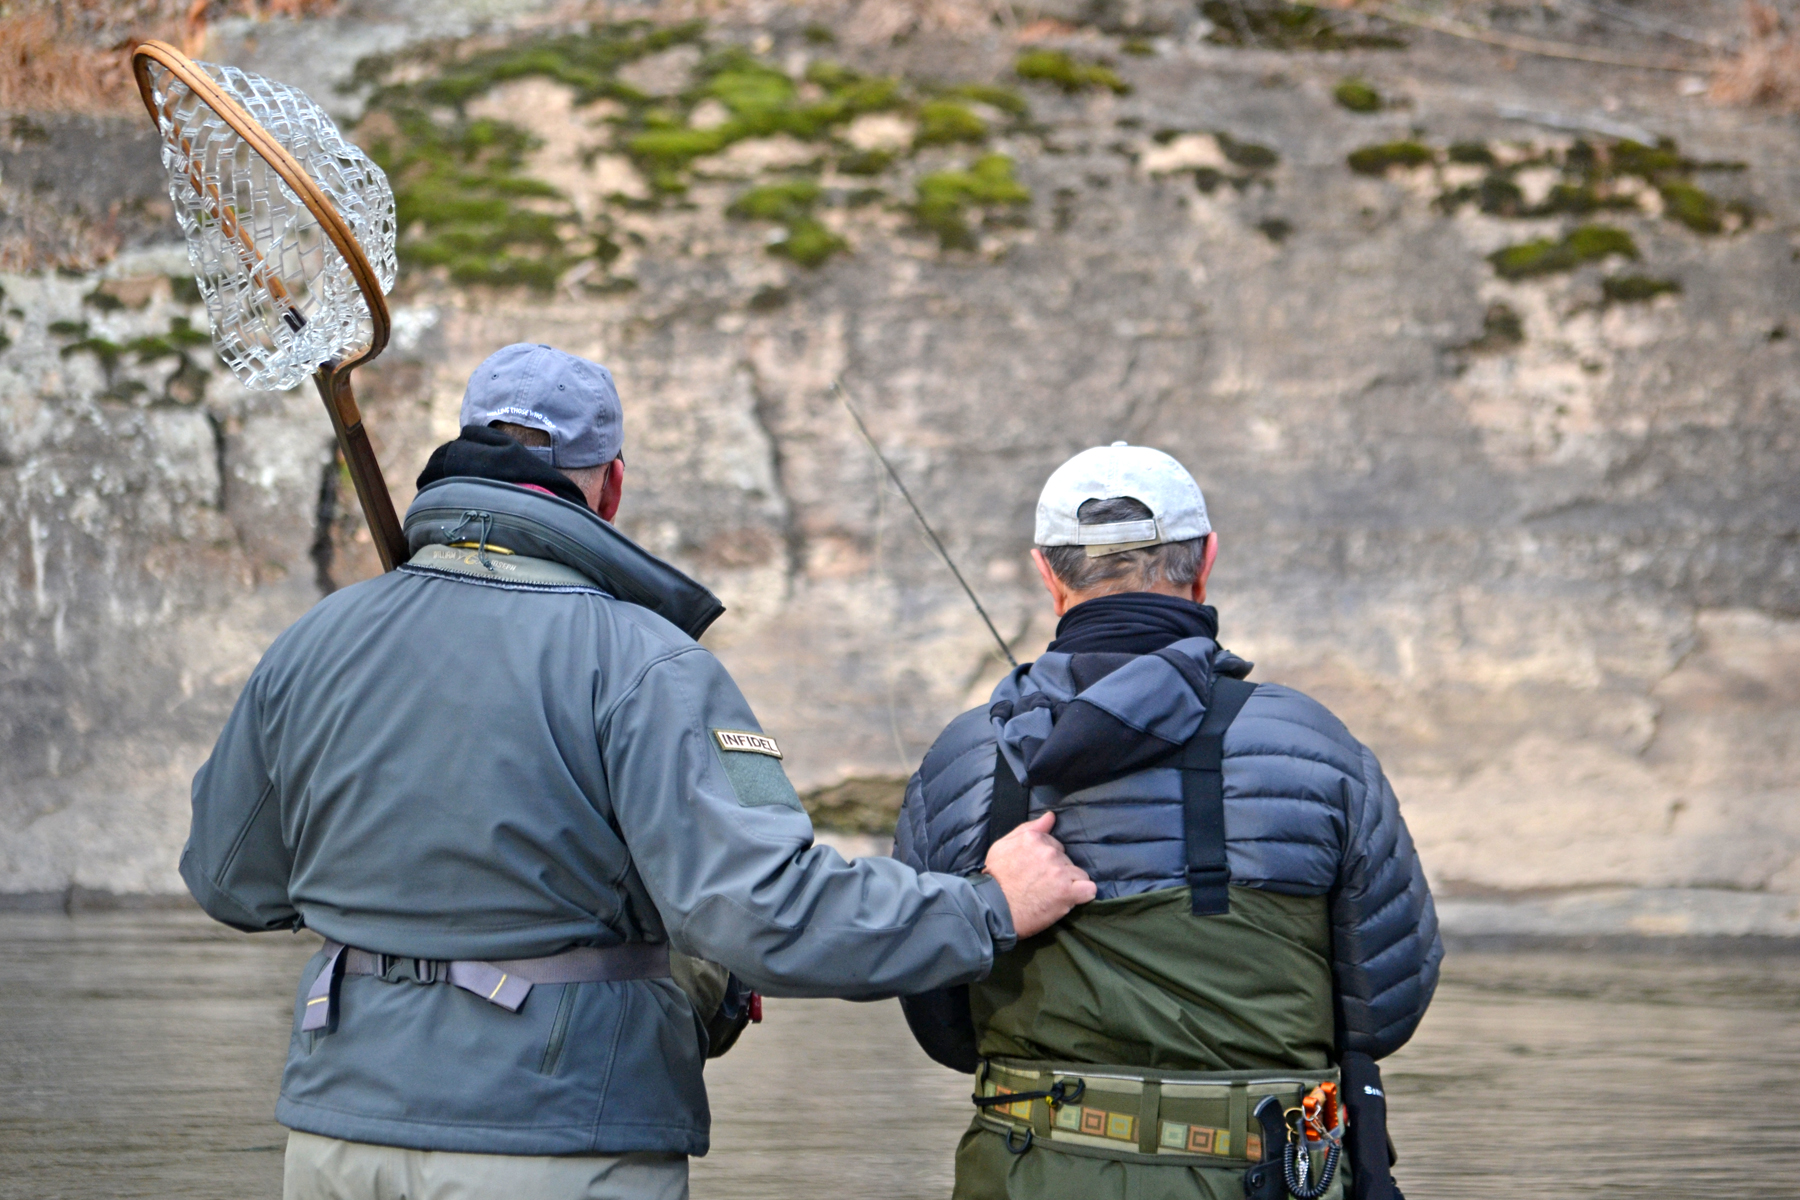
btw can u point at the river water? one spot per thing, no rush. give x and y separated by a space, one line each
139 1056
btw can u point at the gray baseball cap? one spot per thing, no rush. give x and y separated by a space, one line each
1152 478
569 398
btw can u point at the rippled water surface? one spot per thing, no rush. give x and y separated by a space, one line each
139 1055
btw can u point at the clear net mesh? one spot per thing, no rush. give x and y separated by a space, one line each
281 298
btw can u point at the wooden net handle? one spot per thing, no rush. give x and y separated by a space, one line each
333 379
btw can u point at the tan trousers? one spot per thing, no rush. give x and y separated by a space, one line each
322 1168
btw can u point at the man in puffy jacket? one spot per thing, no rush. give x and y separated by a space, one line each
1262 915
502 782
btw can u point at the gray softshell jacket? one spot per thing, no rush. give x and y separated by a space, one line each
438 766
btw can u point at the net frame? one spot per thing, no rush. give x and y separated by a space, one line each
276 299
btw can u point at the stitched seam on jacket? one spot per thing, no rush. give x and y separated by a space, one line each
504 584
637 680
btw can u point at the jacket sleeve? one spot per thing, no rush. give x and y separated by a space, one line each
940 1020
236 861
1385 942
725 850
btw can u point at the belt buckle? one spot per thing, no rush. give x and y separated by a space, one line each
425 970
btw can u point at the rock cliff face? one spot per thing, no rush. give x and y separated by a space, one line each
1497 418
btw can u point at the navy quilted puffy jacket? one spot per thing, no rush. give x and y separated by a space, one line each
1308 810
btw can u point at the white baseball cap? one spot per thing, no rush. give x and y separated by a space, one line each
1152 478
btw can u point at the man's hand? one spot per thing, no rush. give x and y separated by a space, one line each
1040 882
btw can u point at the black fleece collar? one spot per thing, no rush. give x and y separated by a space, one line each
489 454
1133 623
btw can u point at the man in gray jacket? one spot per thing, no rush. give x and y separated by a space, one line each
502 782
1263 931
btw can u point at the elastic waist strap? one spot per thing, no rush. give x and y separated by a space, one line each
506 982
1134 1115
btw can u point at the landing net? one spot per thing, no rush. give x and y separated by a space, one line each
280 296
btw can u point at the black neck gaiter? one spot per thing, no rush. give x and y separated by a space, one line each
489 454
1133 623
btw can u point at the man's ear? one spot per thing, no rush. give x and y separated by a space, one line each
1207 557
612 490
1059 591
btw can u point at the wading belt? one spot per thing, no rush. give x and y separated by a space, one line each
1200 1118
505 983
1201 763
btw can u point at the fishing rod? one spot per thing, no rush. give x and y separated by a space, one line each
844 395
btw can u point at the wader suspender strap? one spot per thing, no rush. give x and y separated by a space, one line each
1010 805
1202 765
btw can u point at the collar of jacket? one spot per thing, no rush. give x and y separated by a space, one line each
1056 733
467 509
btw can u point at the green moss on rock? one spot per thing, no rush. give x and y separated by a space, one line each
458 193
784 201
1248 155
1470 153
1375 160
180 338
809 243
1692 206
587 62
865 162
791 204
943 122
1626 157
992 95
945 198
1273 24
1502 329
1546 256
1594 242
1067 73
1357 96
106 352
1636 289
467 205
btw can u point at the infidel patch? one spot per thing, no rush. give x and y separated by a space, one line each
753 764
749 743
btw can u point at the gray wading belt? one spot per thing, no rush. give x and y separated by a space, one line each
504 983
1202 766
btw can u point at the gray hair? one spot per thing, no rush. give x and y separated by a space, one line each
1173 563
588 479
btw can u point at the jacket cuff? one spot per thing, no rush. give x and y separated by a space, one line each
998 912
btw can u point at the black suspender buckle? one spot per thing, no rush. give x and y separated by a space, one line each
1211 888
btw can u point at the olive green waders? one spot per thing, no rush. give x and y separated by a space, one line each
1176 1026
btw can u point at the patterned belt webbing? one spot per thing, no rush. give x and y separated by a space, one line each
1118 1112
505 983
